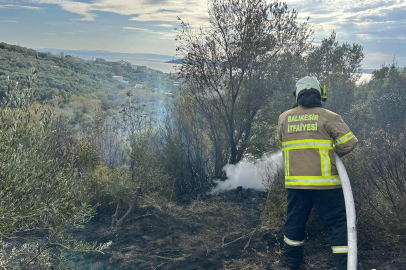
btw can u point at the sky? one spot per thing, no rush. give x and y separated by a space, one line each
148 26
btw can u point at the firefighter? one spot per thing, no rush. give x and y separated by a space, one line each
310 135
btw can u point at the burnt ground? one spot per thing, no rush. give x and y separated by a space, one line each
216 232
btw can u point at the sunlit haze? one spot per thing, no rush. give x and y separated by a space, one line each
148 26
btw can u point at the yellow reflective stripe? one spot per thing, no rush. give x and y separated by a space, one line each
287 159
314 177
306 147
287 183
328 163
313 180
344 138
286 163
293 242
353 136
322 162
306 141
278 137
340 249
306 144
325 162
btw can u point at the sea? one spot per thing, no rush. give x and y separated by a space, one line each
153 64
173 68
365 78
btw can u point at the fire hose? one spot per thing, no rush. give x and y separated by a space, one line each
350 213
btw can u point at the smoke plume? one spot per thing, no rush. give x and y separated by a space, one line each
250 175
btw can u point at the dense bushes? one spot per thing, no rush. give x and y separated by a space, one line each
50 180
377 173
43 188
126 142
386 182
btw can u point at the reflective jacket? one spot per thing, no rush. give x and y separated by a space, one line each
309 137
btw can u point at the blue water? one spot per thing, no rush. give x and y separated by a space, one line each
153 64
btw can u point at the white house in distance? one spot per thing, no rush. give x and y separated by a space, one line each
120 79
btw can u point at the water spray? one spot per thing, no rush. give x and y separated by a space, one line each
350 213
250 174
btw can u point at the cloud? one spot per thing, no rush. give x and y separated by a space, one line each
328 16
368 21
21 7
165 25
51 34
142 10
135 29
162 35
166 35
352 17
372 19
82 9
8 21
364 36
193 18
376 59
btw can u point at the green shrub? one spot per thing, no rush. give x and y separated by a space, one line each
377 174
145 169
41 187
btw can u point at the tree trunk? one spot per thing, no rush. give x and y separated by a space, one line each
133 206
114 218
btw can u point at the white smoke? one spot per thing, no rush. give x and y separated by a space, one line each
250 174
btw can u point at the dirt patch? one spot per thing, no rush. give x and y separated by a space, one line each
215 232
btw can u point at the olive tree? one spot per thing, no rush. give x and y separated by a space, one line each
338 67
231 67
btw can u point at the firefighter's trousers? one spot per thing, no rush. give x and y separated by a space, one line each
330 207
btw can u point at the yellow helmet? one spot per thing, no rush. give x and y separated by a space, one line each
308 83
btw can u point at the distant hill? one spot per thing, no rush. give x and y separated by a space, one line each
175 61
88 55
368 71
65 74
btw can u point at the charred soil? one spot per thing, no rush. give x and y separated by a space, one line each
214 232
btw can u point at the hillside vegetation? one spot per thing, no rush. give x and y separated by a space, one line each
98 174
79 84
